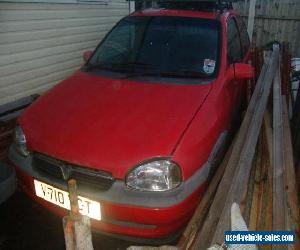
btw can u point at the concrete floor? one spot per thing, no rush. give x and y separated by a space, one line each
24 225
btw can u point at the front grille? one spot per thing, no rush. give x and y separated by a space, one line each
62 171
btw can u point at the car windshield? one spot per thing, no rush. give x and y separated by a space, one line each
160 45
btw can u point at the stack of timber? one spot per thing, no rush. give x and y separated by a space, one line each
258 171
8 115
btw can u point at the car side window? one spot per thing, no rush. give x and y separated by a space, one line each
234 53
244 35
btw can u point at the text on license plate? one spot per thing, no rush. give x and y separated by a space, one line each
61 198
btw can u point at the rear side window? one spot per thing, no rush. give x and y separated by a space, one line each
244 35
234 53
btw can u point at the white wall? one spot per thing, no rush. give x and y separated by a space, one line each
42 43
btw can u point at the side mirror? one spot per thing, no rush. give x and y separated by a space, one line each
87 55
241 71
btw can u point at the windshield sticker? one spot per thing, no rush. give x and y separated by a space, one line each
209 66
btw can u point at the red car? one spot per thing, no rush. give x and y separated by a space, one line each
139 126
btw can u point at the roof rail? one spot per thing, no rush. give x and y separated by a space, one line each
203 5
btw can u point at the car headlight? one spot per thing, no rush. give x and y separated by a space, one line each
20 141
157 175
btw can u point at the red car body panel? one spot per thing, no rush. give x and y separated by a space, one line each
78 121
111 124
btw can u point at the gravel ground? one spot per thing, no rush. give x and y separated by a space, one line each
24 225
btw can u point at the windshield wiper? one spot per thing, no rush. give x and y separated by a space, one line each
135 69
139 64
175 74
105 66
119 67
185 74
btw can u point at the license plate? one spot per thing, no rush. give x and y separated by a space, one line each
61 198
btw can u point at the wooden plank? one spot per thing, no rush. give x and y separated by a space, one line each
265 222
268 132
265 218
248 204
257 191
204 237
260 219
238 187
263 188
279 198
290 177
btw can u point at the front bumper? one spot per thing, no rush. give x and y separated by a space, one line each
126 212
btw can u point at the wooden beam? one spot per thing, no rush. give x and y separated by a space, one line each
290 177
268 132
265 219
256 195
279 198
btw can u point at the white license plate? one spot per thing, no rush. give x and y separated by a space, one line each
61 198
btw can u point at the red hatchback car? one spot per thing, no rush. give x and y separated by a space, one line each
139 126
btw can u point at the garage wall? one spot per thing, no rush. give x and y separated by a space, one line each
42 43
